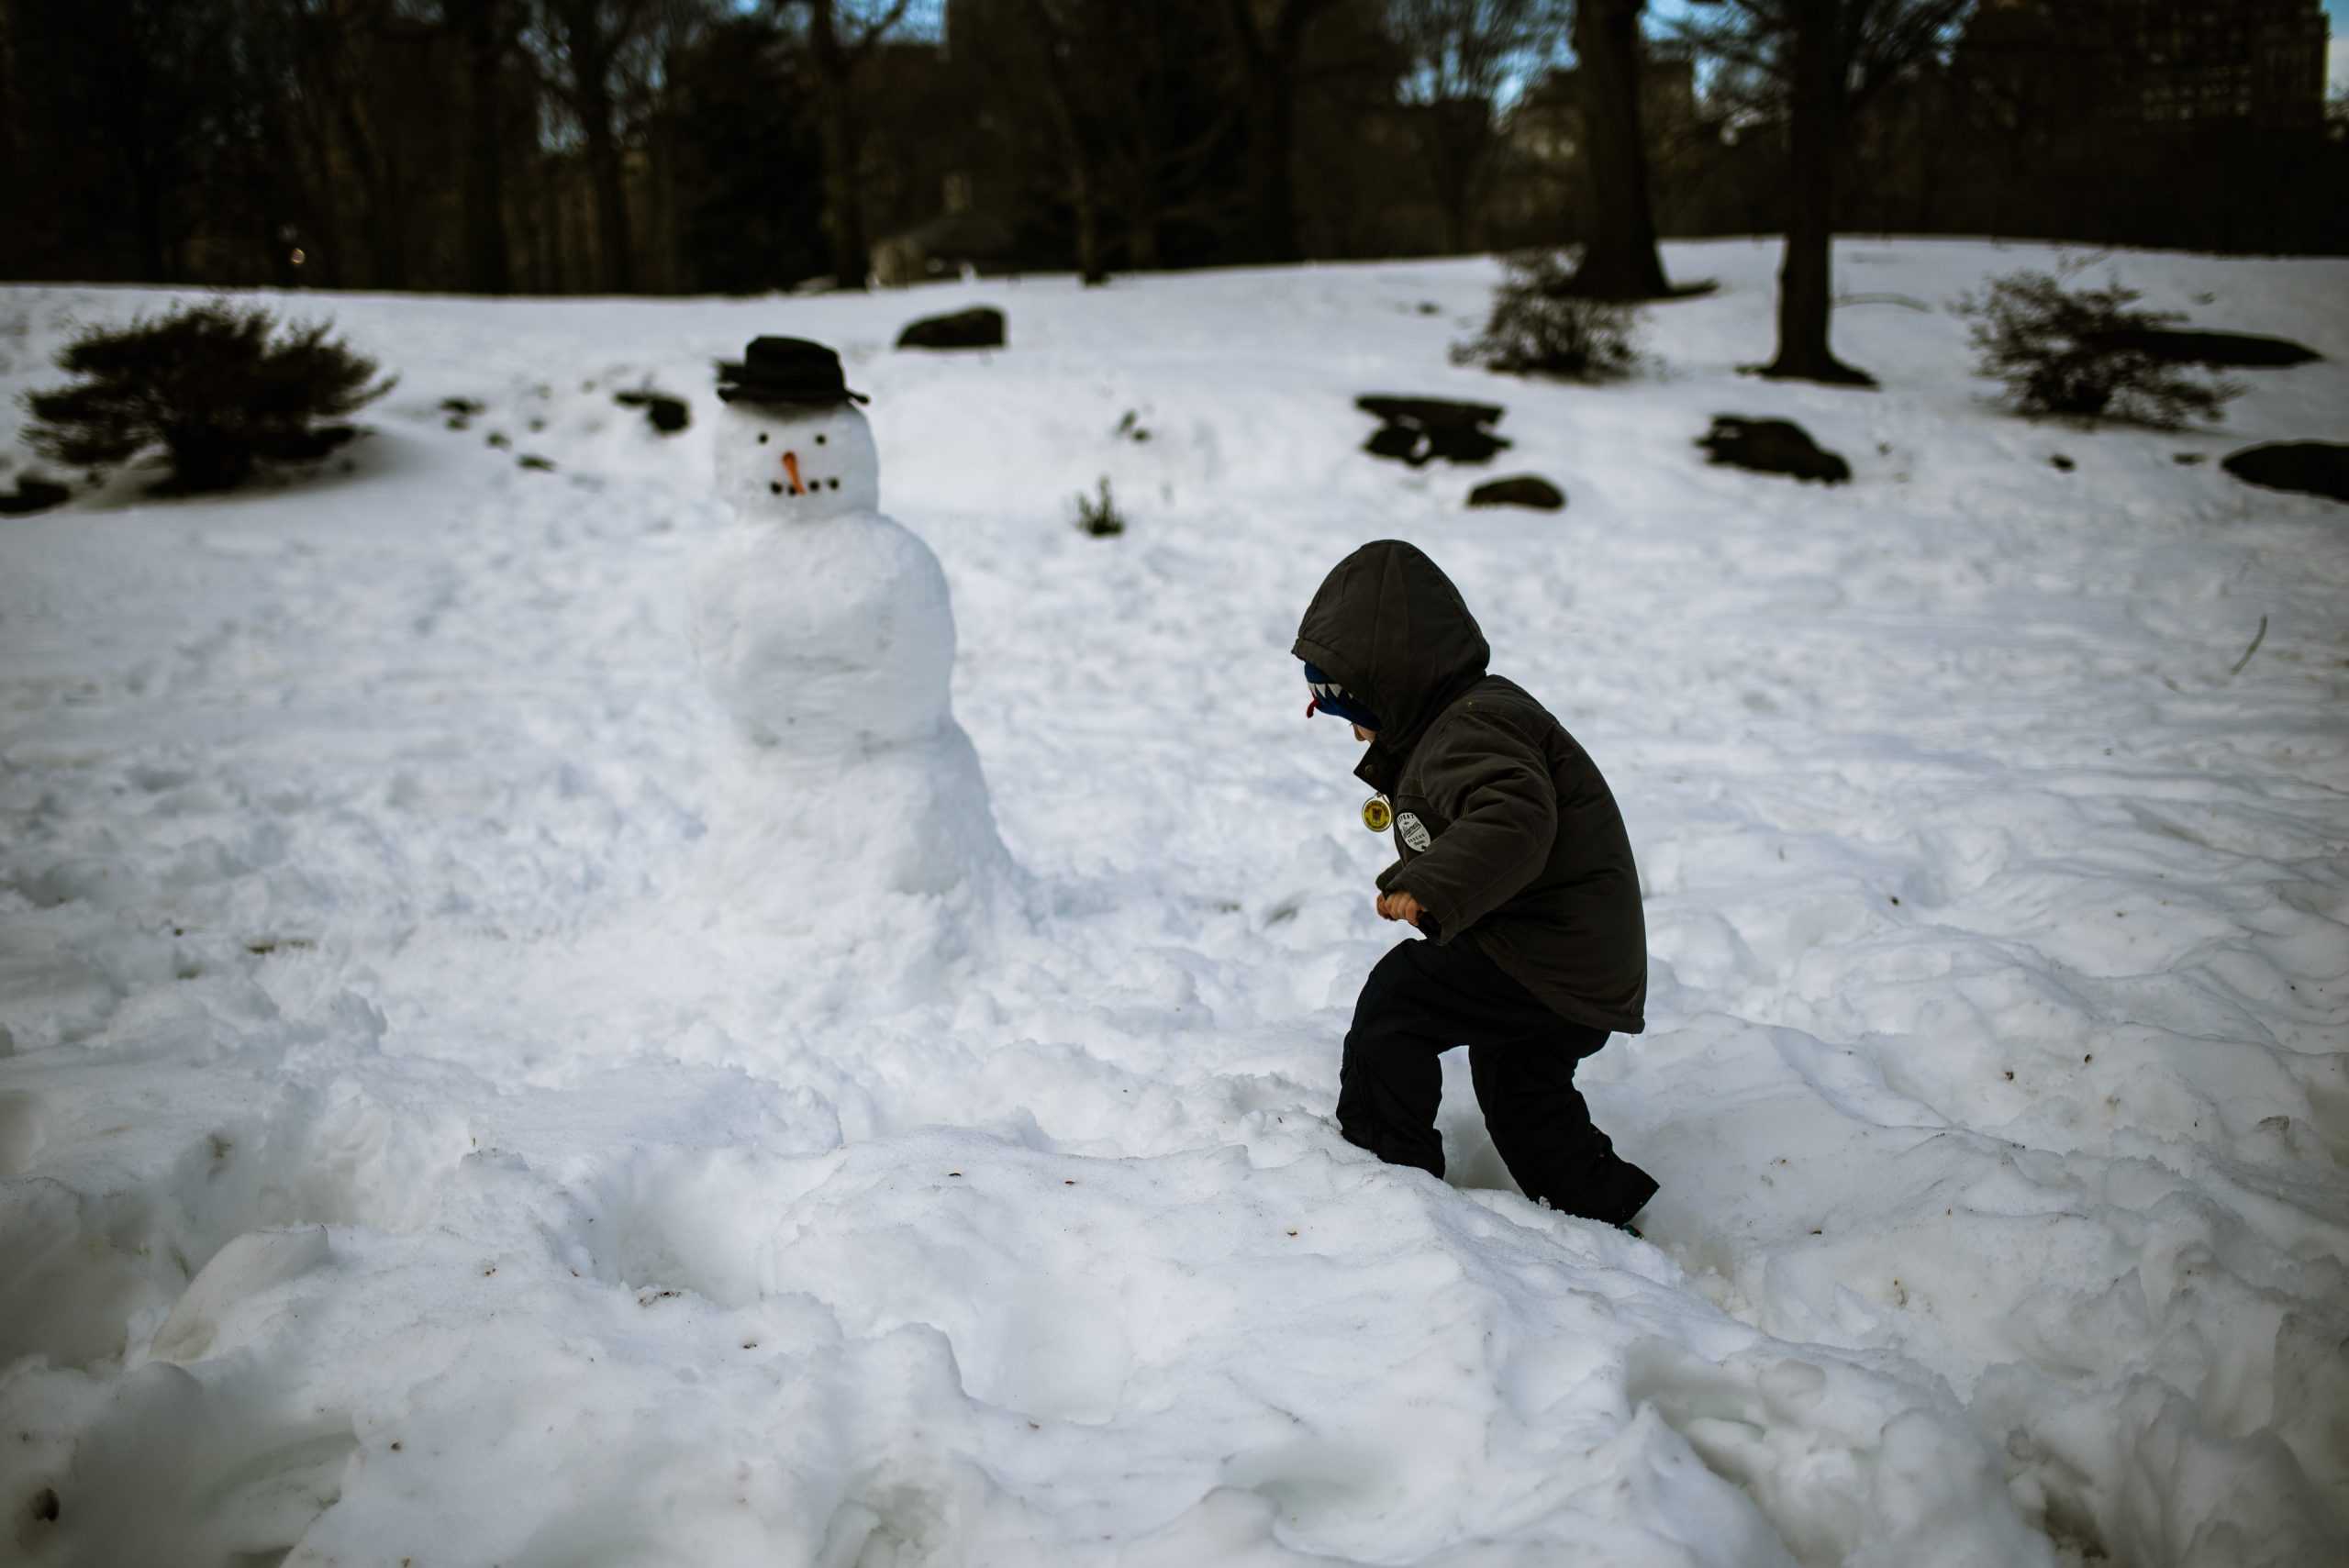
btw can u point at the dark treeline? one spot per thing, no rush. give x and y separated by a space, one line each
565 146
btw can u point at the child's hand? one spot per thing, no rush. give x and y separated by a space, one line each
1399 907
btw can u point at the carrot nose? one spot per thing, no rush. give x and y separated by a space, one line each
791 467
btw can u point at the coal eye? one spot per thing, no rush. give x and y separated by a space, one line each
836 485
762 438
820 440
774 489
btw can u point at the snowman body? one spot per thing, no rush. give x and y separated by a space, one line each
826 632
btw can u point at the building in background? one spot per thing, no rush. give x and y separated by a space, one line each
2157 63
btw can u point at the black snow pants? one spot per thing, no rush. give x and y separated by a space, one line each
1420 1001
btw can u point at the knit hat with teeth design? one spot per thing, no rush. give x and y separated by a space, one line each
1331 698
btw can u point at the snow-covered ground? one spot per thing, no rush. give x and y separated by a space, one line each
429 1135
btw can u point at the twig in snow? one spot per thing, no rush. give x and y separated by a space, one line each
1901 299
2257 639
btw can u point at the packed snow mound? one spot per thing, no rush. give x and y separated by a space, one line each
462 1099
827 639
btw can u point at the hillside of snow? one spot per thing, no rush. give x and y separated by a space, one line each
440 1124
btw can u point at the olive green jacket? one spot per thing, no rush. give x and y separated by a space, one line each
1507 834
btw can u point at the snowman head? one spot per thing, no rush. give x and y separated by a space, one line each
791 446
796 464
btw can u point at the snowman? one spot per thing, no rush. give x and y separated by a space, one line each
825 630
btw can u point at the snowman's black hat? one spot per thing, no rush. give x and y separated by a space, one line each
784 370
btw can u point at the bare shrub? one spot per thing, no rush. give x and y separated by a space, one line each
2068 350
1537 327
1099 515
214 385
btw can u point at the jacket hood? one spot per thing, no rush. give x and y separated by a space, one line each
1389 625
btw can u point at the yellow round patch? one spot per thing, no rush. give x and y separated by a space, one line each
1376 815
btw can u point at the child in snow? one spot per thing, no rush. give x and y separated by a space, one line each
1516 871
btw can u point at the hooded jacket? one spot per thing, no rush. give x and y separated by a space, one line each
1508 835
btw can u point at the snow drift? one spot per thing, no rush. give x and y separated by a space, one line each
414 1146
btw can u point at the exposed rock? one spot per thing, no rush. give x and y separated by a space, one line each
1416 430
2224 351
981 327
668 415
32 494
2061 463
1518 490
1772 445
2304 467
1432 413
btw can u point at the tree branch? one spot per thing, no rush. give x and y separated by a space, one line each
870 37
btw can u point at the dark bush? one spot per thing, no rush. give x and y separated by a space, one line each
2083 352
1099 516
1538 328
216 386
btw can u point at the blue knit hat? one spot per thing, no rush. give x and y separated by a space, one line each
1331 698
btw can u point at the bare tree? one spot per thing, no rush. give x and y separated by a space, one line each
583 43
1621 257
656 100
488 32
1461 53
333 48
1109 108
1270 35
842 36
1168 118
1826 60
1064 36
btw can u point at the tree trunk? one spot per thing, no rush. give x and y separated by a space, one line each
153 263
1273 139
1270 65
844 206
488 266
1619 259
668 245
1142 229
1077 148
611 189
1084 182
1089 266
144 154
1806 283
546 200
386 247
